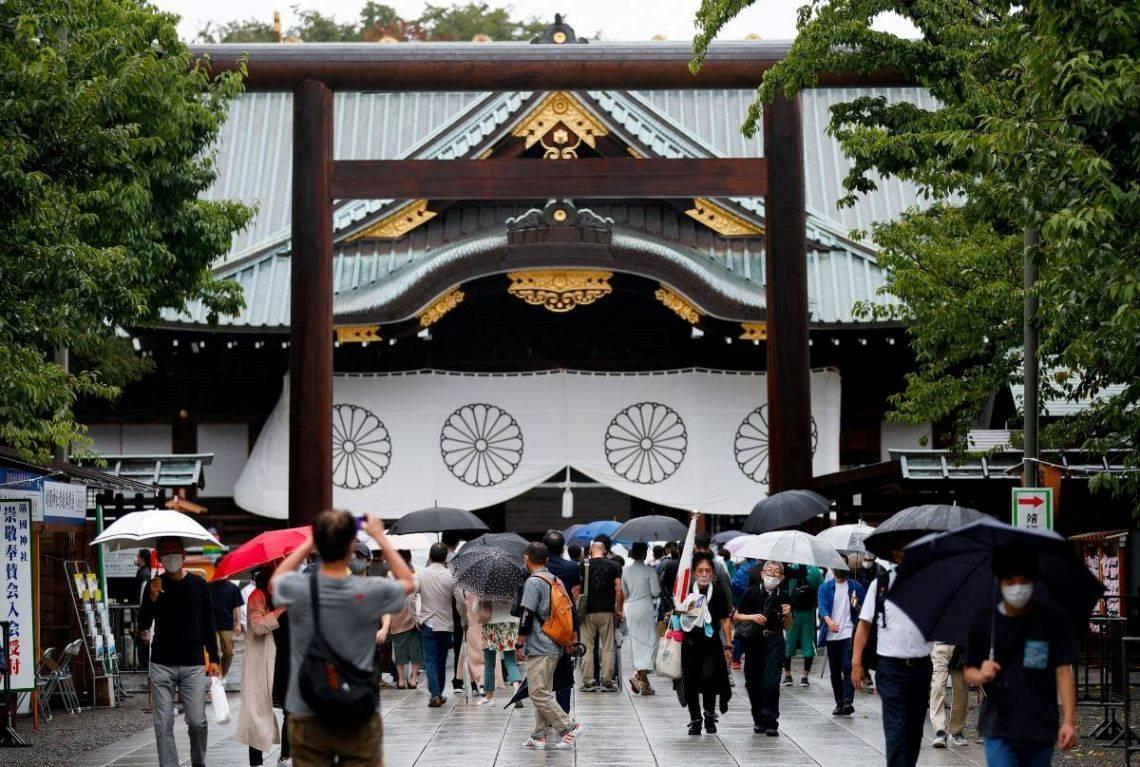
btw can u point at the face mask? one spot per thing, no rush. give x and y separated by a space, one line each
1017 596
172 563
358 566
771 582
868 564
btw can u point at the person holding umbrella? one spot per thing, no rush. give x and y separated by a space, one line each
762 616
264 674
1022 655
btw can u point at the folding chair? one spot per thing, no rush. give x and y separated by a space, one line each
62 679
43 680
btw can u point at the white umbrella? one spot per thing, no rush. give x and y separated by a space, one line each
144 528
791 546
846 537
410 541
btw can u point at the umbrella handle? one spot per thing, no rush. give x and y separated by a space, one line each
993 618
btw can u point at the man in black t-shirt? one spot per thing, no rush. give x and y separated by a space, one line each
1022 654
601 588
226 599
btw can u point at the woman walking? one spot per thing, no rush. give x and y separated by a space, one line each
640 585
401 629
264 674
707 645
500 634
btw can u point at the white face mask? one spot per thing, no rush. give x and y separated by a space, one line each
771 582
172 563
1017 596
868 564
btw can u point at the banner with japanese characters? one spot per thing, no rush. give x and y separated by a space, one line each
16 598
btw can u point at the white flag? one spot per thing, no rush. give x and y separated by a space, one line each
685 564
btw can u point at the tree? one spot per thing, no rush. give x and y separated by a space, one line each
1035 129
106 133
247 31
464 22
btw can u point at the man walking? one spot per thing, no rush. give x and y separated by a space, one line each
178 603
350 607
766 605
946 662
227 601
567 572
604 605
440 600
839 601
540 655
803 587
904 669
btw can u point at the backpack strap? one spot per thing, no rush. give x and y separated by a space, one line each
882 585
315 603
549 582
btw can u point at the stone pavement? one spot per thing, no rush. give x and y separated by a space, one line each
620 730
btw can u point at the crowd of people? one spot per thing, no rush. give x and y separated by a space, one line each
321 635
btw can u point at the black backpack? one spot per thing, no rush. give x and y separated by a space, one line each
339 692
871 650
803 596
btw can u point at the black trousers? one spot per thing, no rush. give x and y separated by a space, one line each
255 755
904 688
839 664
694 694
763 659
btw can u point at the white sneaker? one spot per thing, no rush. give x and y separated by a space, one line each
535 744
959 739
939 740
284 763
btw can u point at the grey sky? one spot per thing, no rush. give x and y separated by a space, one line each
616 19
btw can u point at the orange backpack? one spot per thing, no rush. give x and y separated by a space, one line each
559 625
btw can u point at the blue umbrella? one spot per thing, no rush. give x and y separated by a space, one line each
946 578
592 530
569 533
724 536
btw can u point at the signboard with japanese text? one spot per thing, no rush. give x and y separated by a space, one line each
16 598
1033 508
65 503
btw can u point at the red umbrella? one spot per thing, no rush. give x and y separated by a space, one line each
266 547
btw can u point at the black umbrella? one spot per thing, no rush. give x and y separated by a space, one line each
488 573
907 525
724 536
654 527
512 543
946 579
563 680
785 509
437 519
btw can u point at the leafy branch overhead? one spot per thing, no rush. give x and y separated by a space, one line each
106 137
1035 125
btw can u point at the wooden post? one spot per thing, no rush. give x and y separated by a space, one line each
785 231
311 328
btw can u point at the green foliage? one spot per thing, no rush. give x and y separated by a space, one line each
463 22
1036 127
105 135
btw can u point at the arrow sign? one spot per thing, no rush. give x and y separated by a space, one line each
1032 500
1033 507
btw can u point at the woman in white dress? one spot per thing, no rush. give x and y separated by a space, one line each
641 586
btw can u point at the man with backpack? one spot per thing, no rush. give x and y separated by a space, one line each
333 699
803 587
546 629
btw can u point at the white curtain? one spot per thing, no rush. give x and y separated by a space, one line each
690 439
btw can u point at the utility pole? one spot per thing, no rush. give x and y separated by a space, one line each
1030 471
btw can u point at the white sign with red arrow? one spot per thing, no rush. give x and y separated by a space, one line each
1033 507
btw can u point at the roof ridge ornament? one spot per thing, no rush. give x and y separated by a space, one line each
558 33
559 221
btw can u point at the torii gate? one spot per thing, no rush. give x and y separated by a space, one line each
313 71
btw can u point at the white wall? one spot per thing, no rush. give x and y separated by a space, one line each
903 436
131 439
229 442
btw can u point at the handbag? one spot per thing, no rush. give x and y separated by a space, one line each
746 630
219 702
483 611
669 655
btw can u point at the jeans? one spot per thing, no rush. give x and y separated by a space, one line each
904 688
509 661
737 649
190 681
436 645
839 663
763 658
1006 752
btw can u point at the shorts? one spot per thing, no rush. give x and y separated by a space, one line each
407 647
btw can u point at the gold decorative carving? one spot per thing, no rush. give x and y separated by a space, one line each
355 334
440 307
679 305
634 153
754 331
721 220
559 37
559 215
560 290
560 109
398 223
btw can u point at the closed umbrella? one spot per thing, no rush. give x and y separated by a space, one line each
437 519
785 509
592 530
144 528
512 543
791 546
946 579
263 549
654 527
724 536
488 573
914 522
846 538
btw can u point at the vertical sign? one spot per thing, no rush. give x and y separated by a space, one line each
16 594
1033 508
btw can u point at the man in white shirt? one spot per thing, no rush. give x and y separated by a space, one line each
903 669
839 601
440 600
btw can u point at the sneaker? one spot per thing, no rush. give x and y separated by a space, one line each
848 709
771 732
570 736
939 739
487 702
588 687
804 681
609 687
457 684
535 744
284 763
710 723
838 710
959 739
435 702
787 680
695 727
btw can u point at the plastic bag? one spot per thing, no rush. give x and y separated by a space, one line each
218 701
669 655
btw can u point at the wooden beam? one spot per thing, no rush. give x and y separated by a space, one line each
789 368
311 324
531 179
509 66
